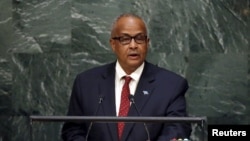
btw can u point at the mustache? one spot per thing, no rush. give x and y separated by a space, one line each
133 53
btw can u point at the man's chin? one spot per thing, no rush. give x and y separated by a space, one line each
135 63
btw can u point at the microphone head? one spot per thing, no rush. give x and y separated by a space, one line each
131 97
101 98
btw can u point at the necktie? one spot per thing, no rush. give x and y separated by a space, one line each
125 104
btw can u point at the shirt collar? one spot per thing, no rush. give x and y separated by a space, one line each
135 75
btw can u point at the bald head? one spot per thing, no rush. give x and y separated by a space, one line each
120 20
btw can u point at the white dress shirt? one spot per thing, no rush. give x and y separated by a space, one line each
119 82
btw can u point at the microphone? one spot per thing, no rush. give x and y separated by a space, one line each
101 97
131 98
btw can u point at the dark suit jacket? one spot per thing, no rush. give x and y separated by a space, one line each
159 93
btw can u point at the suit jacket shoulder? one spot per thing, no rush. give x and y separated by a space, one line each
161 72
100 71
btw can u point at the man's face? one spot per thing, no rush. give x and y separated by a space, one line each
130 54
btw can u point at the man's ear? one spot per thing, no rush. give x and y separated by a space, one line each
112 44
148 40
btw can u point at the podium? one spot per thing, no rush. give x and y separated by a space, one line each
201 121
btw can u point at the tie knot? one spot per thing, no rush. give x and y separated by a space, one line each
127 79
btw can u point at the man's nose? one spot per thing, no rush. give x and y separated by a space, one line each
133 43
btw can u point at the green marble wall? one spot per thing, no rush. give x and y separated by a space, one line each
45 43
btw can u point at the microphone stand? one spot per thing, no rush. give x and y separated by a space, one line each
91 123
131 98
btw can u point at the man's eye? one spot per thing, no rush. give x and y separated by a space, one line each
124 38
140 37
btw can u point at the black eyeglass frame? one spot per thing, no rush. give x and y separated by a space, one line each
131 37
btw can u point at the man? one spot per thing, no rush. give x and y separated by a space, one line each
156 92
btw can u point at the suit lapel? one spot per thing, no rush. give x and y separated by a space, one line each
107 89
144 91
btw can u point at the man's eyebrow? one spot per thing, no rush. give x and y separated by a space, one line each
125 34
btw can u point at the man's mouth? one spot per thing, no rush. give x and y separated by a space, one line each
133 55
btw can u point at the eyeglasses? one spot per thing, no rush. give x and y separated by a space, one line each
124 40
